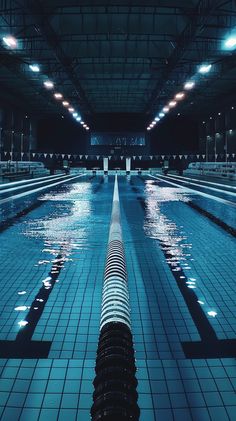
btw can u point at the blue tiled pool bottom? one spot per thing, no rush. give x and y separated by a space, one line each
168 389
171 386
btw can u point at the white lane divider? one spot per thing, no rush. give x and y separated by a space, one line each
18 196
202 181
172 177
209 196
4 186
46 180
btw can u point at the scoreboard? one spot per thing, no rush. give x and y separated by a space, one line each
117 139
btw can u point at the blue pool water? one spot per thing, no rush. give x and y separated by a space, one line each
181 277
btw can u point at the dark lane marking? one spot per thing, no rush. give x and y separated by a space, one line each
209 346
23 346
213 218
11 221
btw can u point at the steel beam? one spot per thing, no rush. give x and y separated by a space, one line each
35 7
187 36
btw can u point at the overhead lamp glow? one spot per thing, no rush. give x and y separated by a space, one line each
81 122
148 128
65 103
157 119
205 68
34 67
189 85
10 41
75 115
48 84
87 128
57 95
230 43
78 118
172 104
180 95
71 109
166 109
154 122
161 115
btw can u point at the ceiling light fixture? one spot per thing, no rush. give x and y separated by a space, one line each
48 84
34 67
71 109
172 104
189 85
10 41
66 104
180 95
166 109
57 95
230 42
204 68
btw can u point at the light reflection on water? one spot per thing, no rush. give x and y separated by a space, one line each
172 239
64 230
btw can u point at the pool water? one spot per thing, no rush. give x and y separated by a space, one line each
181 277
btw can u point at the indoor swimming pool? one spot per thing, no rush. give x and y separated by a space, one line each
179 241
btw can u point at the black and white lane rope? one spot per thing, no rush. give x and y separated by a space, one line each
115 396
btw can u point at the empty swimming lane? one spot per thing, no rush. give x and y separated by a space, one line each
117 299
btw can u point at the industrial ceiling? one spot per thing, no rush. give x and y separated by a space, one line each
117 56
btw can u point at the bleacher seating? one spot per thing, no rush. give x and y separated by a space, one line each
14 170
214 169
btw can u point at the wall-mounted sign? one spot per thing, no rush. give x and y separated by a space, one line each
117 139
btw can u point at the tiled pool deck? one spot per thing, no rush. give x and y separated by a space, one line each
76 222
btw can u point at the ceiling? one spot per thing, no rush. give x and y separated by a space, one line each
116 56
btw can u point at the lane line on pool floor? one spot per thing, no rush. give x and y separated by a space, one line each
23 346
209 346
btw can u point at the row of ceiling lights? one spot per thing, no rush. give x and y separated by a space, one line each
11 42
229 44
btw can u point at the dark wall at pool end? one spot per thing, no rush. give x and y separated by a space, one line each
175 135
172 135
